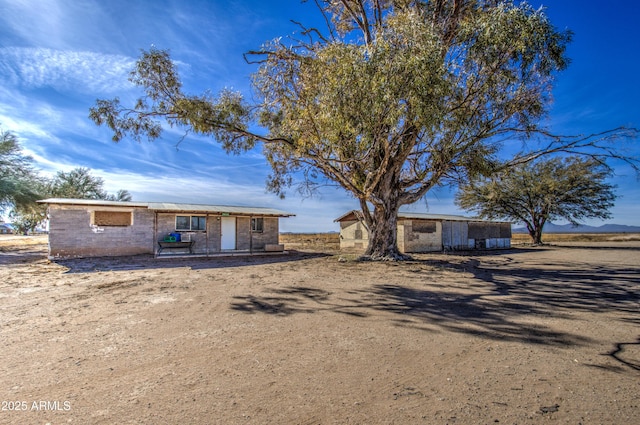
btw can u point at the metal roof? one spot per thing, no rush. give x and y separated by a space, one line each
236 210
426 216
172 207
444 217
101 202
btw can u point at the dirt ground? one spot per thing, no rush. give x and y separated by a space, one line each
524 336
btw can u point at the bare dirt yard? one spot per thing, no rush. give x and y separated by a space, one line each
523 336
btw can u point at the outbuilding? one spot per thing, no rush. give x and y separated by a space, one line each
92 228
418 232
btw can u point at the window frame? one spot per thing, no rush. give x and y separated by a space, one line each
98 219
201 225
255 228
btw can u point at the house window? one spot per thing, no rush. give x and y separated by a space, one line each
191 222
112 218
257 224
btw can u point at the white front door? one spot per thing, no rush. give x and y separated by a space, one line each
228 230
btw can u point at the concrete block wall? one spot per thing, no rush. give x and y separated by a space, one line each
214 234
353 234
243 233
210 241
270 234
413 239
72 234
204 241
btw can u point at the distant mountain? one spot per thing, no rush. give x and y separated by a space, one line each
568 228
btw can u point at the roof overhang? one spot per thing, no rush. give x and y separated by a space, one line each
92 202
173 207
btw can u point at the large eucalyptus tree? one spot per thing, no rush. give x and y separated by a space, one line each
391 99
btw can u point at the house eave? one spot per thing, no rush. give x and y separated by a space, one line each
171 207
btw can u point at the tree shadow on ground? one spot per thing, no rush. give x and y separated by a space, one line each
622 355
148 262
599 288
22 255
421 309
505 303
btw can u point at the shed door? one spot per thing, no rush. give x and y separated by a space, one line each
228 230
454 235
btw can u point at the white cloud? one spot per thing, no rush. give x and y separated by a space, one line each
39 23
178 186
314 214
83 72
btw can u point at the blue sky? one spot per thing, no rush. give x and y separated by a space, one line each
58 56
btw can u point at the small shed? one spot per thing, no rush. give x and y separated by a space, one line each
418 232
92 228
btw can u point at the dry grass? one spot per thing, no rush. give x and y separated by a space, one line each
522 238
330 242
311 241
19 242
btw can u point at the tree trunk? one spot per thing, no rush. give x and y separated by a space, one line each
536 235
535 231
535 228
383 232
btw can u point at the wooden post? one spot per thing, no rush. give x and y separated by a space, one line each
250 235
206 235
154 240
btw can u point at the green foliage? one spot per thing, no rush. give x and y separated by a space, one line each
572 188
120 196
80 184
224 117
27 218
20 185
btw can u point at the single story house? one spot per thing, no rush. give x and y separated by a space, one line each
419 232
92 228
5 228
